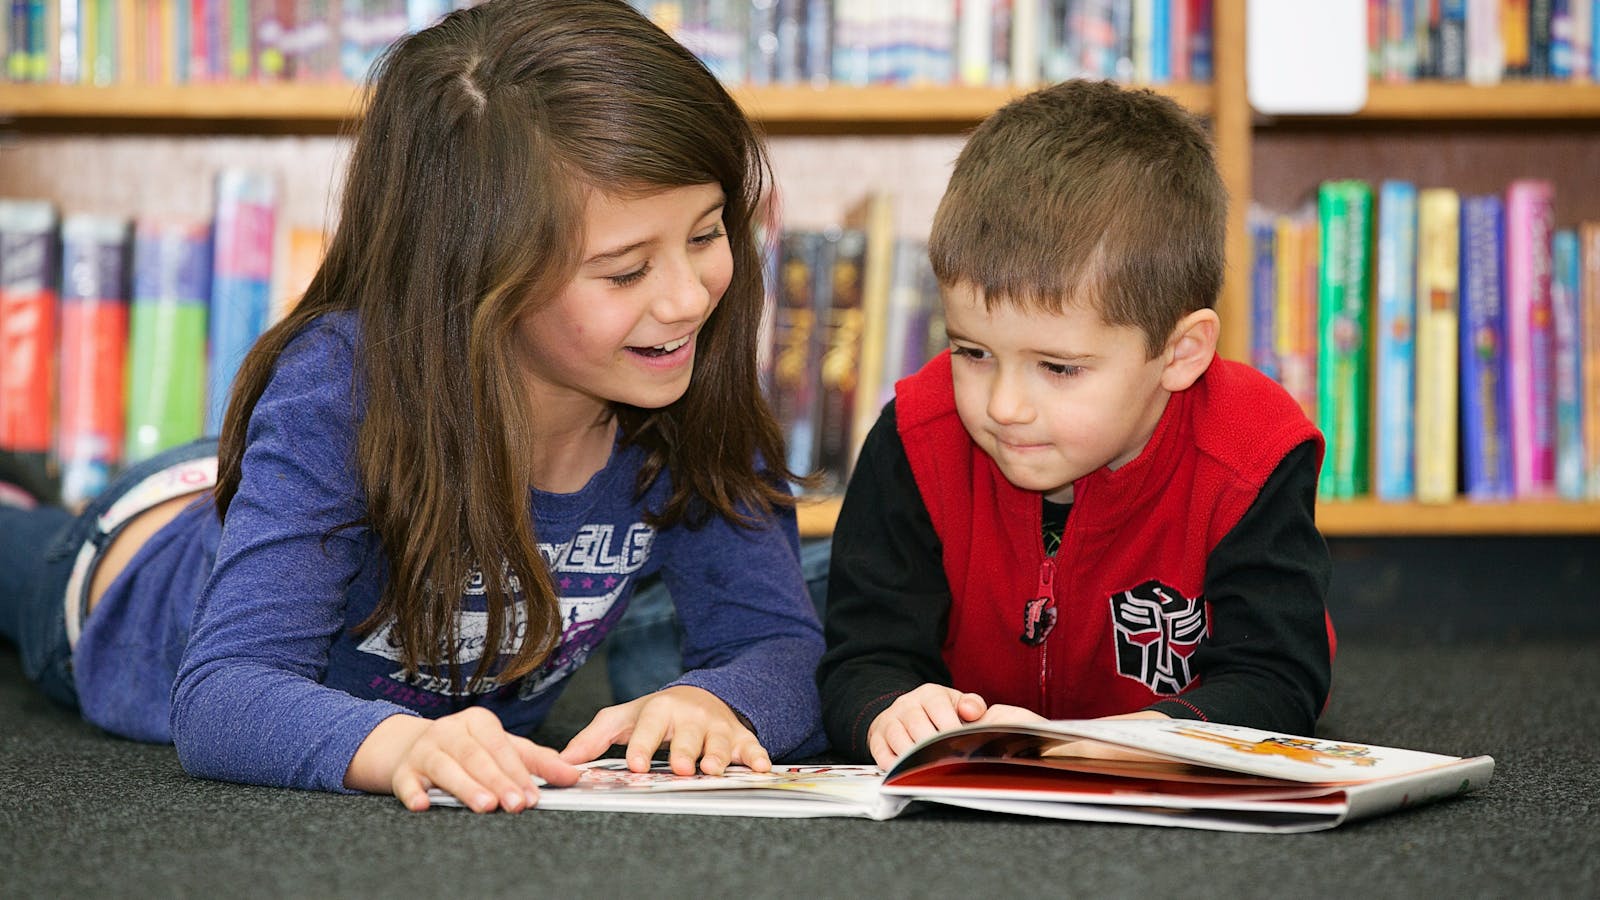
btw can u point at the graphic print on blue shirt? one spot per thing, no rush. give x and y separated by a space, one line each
591 572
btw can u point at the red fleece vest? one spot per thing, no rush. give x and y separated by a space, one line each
1120 604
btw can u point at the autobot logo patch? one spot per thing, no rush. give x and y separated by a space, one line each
1157 630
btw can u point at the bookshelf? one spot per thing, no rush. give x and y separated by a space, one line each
1259 157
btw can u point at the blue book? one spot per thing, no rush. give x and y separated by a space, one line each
1485 391
1396 340
1565 310
1264 296
241 281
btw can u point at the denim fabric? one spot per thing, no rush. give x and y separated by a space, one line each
643 651
37 550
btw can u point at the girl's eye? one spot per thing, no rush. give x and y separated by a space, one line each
1060 370
709 237
630 277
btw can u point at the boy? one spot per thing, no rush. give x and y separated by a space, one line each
1079 511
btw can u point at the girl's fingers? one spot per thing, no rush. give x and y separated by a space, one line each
410 789
546 764
748 750
612 725
495 763
717 752
651 728
687 748
445 773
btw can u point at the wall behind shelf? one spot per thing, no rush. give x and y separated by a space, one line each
1289 160
166 175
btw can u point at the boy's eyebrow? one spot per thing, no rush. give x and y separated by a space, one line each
608 255
1036 351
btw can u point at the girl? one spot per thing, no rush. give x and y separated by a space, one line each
523 379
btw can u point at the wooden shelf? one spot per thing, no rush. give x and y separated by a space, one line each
1371 518
795 107
1439 101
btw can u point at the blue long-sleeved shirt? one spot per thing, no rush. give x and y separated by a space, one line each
270 683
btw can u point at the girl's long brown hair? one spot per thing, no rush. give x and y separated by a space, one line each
462 205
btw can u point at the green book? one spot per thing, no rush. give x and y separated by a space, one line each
1344 210
167 336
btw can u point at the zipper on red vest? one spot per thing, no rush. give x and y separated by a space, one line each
1038 619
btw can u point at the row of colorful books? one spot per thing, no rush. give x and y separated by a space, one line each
1447 346
855 309
121 337
1483 41
974 42
105 42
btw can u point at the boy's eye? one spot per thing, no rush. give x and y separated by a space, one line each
628 278
972 353
1060 370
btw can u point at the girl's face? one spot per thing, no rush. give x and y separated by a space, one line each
624 329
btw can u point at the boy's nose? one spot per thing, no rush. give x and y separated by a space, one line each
1007 404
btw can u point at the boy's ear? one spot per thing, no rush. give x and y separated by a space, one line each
1190 349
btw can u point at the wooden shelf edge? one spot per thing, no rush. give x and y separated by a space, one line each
1373 518
786 105
1426 101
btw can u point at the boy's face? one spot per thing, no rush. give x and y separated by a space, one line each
1051 396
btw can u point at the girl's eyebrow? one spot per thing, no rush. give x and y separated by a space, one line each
610 255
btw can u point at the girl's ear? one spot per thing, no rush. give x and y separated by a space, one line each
1190 349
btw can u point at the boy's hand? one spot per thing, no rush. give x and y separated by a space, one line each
698 725
918 714
1096 750
469 754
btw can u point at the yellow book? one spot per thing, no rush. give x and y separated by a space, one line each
875 217
1438 340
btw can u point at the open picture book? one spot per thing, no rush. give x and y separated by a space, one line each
1152 772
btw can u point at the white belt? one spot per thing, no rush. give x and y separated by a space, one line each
183 478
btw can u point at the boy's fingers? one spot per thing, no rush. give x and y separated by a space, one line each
971 707
943 713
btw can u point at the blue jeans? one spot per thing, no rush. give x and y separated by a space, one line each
37 550
644 650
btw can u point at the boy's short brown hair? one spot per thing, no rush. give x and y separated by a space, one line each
1087 192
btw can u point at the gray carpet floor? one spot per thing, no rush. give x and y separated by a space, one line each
85 814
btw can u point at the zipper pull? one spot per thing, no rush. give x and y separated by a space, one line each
1039 614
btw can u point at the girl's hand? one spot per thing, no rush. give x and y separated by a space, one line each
698 725
469 754
922 713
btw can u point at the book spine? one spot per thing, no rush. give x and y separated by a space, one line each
1294 340
167 337
1564 312
877 283
843 321
795 345
1486 47
1395 372
94 344
28 327
241 282
1589 324
1529 222
1485 430
1561 45
1263 296
1345 211
1450 53
1438 337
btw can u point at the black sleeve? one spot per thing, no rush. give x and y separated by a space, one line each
1266 663
888 603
